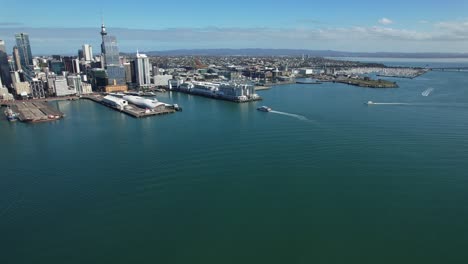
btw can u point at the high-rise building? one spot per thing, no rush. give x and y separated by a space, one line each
16 58
56 66
80 54
24 48
75 82
4 66
87 52
109 49
142 70
116 75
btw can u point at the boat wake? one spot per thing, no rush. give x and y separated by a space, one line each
374 103
303 118
427 92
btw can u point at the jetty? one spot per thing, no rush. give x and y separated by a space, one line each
133 110
34 112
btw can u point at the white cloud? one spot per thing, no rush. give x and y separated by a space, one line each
385 21
447 36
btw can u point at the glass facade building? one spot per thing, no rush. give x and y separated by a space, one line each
4 66
116 75
24 48
110 51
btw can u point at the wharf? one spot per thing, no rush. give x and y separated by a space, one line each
217 97
261 88
36 111
132 110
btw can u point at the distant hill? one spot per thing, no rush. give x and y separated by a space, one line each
300 52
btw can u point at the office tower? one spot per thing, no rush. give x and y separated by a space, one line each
68 62
116 75
76 66
128 72
24 48
142 70
133 71
109 49
56 66
16 58
80 54
87 52
4 66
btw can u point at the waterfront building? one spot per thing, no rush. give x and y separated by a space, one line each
116 75
37 88
74 82
98 79
5 94
22 89
86 88
61 87
161 80
115 88
142 70
87 52
24 49
4 66
237 91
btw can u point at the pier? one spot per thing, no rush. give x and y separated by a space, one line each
35 111
131 109
217 97
450 69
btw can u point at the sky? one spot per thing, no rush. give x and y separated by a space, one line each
61 27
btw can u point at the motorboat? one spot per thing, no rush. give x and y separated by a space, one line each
264 109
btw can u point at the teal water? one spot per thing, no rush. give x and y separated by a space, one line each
341 182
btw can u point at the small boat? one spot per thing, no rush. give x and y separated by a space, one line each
264 109
148 94
369 103
10 115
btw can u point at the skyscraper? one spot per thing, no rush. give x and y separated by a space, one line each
142 70
24 49
4 66
87 52
109 49
16 58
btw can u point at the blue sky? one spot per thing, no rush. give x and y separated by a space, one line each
61 27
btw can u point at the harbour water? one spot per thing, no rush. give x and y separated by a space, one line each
331 180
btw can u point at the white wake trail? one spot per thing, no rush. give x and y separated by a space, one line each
303 118
427 92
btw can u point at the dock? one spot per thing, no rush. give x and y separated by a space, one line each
132 110
34 112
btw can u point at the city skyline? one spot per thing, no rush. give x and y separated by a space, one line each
358 26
